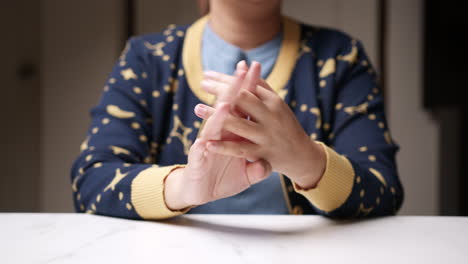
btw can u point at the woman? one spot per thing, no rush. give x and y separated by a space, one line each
310 138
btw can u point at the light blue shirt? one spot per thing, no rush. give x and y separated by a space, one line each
221 56
267 196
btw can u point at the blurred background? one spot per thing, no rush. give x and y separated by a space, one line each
56 55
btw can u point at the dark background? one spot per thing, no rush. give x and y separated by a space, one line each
445 73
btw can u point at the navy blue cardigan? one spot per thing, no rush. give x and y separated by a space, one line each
144 124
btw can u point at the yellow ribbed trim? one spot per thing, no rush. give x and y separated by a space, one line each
148 193
277 79
336 184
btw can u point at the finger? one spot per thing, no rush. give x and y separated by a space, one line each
242 65
256 71
238 149
214 124
234 88
243 128
258 171
228 95
251 105
204 111
228 79
264 92
214 87
254 83
265 85
225 78
221 90
220 77
253 76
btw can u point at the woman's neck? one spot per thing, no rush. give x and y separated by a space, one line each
245 24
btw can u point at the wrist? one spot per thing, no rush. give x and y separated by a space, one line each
173 190
311 167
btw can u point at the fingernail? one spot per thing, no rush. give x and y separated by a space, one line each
200 110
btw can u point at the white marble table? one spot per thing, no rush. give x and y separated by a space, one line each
81 238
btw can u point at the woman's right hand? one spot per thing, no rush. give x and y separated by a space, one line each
210 176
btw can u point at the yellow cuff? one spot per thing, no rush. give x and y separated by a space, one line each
336 184
148 193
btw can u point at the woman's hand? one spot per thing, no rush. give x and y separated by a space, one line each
272 133
210 176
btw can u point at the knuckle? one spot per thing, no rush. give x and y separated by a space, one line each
251 154
243 94
272 104
277 101
245 150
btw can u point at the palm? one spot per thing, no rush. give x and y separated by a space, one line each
213 176
223 176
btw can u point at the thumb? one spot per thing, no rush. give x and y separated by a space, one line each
257 171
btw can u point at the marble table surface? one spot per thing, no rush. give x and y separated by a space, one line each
81 238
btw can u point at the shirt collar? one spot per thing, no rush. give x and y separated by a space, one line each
222 48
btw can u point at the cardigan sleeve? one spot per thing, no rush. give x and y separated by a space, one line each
114 174
361 177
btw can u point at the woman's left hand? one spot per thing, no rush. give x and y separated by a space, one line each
272 131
